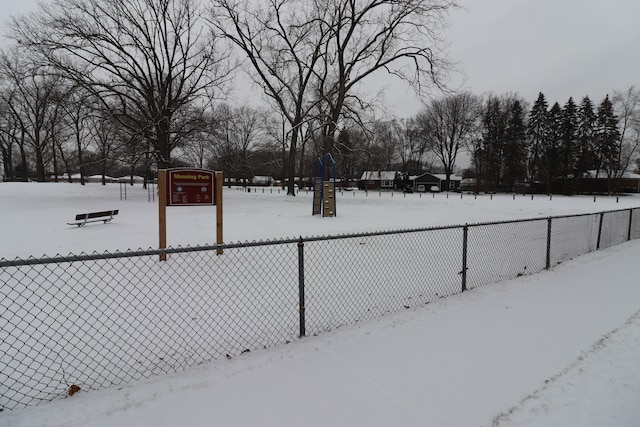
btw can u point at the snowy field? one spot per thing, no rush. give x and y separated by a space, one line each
35 216
519 353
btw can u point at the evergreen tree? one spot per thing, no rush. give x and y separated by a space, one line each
551 146
607 137
493 137
568 142
537 131
586 152
515 149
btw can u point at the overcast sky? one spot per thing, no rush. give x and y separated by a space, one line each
561 48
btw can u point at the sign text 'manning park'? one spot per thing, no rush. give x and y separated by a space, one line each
180 176
188 187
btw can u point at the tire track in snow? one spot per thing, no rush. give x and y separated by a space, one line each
612 350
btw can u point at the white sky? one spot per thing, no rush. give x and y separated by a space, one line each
560 47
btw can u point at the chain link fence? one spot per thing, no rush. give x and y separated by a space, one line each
97 320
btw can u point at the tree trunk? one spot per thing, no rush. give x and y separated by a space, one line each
40 173
23 161
163 150
293 150
104 170
7 160
55 160
80 160
284 153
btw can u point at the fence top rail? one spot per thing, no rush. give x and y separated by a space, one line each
70 258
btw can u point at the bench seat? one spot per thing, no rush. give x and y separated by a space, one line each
104 216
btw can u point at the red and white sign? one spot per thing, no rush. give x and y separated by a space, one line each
190 187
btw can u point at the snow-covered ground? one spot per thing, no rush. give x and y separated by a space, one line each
557 348
35 215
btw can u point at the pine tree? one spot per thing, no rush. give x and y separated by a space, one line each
493 136
585 138
515 149
568 142
607 137
537 131
551 146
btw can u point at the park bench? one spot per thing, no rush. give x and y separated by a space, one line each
105 216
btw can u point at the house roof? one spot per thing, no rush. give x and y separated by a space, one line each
441 176
603 174
378 175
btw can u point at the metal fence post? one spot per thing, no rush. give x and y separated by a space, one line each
630 224
600 230
548 265
465 236
301 286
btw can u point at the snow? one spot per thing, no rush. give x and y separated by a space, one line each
555 348
35 215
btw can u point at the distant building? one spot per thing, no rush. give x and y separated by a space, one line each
262 180
378 180
427 181
597 182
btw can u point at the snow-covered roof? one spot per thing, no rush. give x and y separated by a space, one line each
603 174
378 175
107 177
443 177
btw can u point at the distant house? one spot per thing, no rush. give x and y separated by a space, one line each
378 180
262 180
468 184
426 181
98 178
597 182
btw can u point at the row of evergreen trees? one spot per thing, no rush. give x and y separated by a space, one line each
554 146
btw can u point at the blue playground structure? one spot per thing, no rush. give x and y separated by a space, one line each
324 186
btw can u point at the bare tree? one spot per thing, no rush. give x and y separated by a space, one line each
239 131
283 44
309 53
109 138
60 133
32 97
401 38
10 136
383 146
79 106
198 146
144 59
411 147
447 125
627 107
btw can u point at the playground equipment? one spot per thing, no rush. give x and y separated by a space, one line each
324 186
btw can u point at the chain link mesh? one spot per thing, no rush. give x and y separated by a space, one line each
104 319
503 251
573 236
615 228
635 224
357 278
103 322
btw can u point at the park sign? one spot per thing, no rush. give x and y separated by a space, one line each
190 187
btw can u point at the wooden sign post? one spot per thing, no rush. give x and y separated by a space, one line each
188 187
218 180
